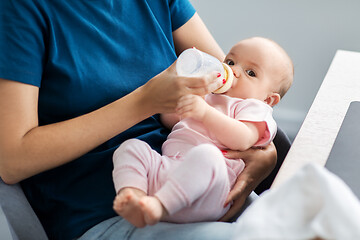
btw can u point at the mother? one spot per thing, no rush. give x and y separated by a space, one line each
77 78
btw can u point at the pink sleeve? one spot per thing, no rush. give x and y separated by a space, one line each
253 110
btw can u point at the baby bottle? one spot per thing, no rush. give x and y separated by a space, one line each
195 63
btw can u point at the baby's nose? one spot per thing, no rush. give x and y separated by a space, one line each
236 72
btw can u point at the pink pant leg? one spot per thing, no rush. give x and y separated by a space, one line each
136 165
197 189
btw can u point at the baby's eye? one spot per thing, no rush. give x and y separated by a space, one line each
251 73
229 62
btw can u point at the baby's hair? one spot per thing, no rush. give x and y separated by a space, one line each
288 75
286 82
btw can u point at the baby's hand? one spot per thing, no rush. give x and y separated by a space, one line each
192 106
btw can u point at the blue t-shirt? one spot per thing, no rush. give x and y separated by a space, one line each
83 55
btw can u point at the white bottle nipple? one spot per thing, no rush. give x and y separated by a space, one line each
229 78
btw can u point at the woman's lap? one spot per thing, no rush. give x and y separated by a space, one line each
118 228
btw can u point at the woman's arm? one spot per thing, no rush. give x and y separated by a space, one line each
185 38
27 148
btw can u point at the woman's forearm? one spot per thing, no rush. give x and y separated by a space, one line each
25 153
184 38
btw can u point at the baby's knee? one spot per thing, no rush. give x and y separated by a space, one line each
208 155
130 143
126 147
208 150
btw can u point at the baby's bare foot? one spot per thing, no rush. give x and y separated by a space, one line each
152 209
126 204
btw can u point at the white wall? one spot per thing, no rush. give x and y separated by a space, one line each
309 30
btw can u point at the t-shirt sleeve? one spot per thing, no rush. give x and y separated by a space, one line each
21 41
253 110
181 11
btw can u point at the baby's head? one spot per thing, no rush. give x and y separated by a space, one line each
262 70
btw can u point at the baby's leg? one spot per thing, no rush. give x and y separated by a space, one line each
135 164
198 187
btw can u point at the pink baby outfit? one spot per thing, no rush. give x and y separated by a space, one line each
190 178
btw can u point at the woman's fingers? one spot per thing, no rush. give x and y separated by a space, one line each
236 192
234 154
259 163
238 195
203 85
202 81
235 208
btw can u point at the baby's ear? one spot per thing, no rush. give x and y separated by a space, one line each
273 99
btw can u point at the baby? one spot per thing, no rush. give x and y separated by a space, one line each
192 179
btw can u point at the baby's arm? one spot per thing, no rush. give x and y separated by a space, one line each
230 132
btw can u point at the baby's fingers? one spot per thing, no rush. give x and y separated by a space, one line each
185 105
185 100
184 111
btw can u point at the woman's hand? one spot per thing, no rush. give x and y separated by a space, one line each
163 91
259 162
